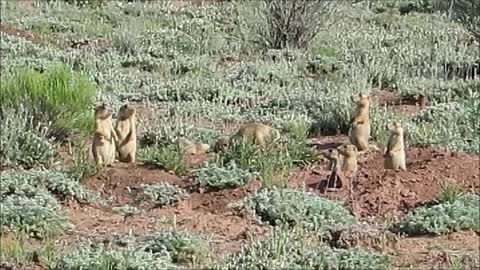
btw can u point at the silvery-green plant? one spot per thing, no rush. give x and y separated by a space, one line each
182 246
162 194
442 218
294 249
23 143
292 207
100 257
230 175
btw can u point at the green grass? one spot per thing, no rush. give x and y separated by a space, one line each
57 95
168 157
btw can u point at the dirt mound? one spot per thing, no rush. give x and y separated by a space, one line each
115 182
15 32
384 193
202 212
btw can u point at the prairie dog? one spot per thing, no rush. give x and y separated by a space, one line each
104 137
349 152
395 157
257 131
127 134
332 156
191 148
422 101
360 123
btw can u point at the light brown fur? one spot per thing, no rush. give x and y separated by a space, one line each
256 131
395 157
336 179
360 123
127 134
191 148
349 152
104 137
422 101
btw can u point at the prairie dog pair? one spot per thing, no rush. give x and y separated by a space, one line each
256 131
394 155
360 123
349 153
108 140
191 148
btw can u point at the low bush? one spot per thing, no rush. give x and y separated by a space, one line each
30 208
162 194
100 257
305 209
57 96
182 246
442 218
24 143
230 176
286 249
58 184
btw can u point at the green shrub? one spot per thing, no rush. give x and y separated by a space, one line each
282 206
24 143
59 184
442 218
94 258
168 157
57 95
286 249
230 176
182 246
28 206
162 194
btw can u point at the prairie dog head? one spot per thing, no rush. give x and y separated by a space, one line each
221 145
361 100
126 111
103 112
348 150
330 154
395 128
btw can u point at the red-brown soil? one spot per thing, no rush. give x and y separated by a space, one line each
382 194
428 252
15 32
396 102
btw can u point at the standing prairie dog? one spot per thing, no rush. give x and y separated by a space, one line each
256 131
360 123
349 152
395 157
127 134
104 137
191 148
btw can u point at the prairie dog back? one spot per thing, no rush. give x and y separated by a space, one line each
127 134
350 152
360 123
104 137
395 157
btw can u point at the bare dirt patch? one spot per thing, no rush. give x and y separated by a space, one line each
408 106
426 252
8 30
202 212
382 194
